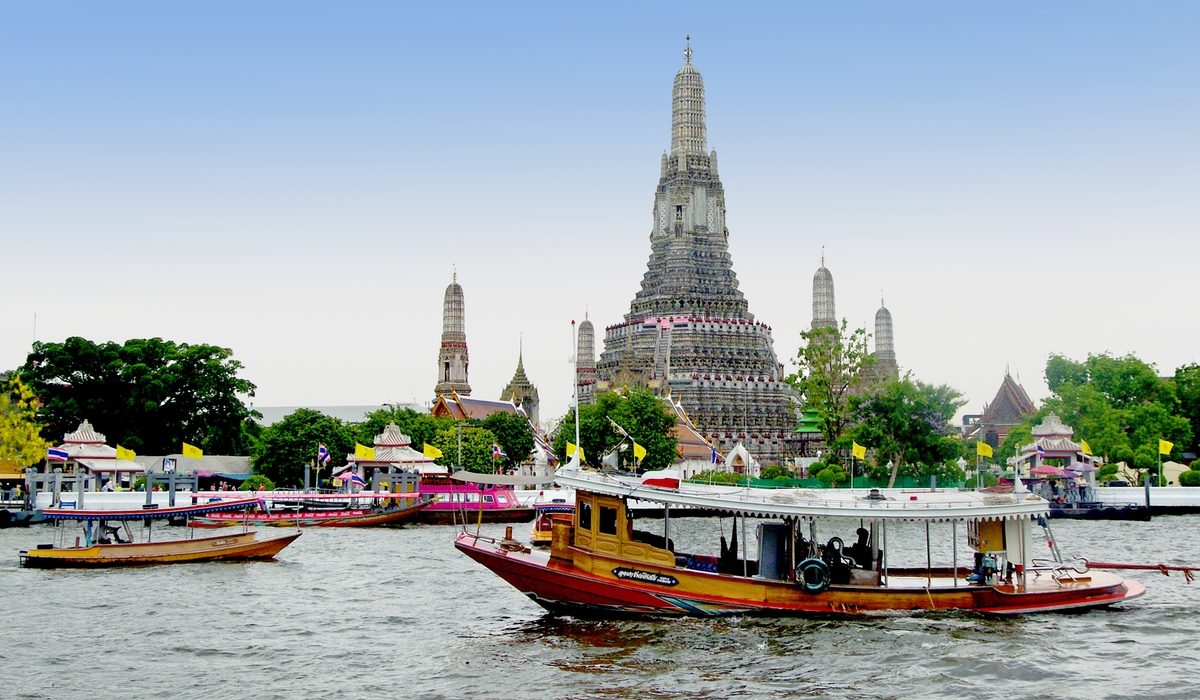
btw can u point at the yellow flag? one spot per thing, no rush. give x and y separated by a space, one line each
125 454
430 451
192 452
572 448
639 452
1164 447
364 452
857 450
1084 447
983 449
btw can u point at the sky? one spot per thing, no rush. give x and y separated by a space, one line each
298 181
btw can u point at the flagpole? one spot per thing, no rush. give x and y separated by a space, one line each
575 383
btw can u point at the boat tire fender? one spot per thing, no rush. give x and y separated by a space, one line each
812 575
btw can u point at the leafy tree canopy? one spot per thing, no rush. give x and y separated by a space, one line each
513 434
476 446
20 440
908 422
831 363
149 395
1118 404
285 447
642 414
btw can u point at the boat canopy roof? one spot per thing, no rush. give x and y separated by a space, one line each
156 513
881 504
498 479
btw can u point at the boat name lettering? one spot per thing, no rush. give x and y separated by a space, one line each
645 576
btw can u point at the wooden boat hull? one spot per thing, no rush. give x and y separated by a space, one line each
241 546
325 518
610 587
452 515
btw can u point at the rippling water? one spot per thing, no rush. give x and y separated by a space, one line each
374 613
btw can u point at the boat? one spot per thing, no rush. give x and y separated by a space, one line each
544 515
97 550
470 497
599 565
325 510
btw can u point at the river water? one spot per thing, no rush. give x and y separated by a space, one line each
362 613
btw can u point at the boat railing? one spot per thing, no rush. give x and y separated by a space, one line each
751 496
1061 572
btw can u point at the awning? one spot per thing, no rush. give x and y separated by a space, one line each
500 479
236 476
97 466
11 475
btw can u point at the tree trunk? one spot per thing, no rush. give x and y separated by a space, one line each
895 470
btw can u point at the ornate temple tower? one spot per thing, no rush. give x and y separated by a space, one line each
689 331
585 363
521 391
452 355
823 313
885 351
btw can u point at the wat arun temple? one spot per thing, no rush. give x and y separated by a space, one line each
689 332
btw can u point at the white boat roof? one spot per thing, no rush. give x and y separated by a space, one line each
889 504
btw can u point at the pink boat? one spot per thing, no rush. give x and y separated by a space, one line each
458 501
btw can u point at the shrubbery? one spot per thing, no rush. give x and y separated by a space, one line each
1190 477
254 481
776 472
716 477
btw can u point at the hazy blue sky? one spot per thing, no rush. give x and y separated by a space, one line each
295 180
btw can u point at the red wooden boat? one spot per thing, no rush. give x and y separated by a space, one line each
600 565
373 516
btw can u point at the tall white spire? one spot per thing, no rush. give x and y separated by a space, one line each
823 312
688 132
885 350
452 354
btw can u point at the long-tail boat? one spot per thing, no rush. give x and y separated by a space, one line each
98 549
384 508
600 564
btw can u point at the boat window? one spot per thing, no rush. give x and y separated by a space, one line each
608 521
585 515
489 499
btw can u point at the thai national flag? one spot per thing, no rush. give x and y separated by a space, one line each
713 457
1041 450
354 478
322 454
497 453
56 455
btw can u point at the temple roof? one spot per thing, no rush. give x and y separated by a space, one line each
1009 406
463 407
689 443
1052 426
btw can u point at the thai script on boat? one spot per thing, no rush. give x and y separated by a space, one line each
645 576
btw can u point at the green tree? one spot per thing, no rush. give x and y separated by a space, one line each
284 448
831 363
1187 388
908 422
149 395
645 416
476 447
513 434
20 440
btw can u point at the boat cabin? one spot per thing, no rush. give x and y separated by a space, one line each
847 548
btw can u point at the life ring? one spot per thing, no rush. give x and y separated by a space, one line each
812 575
